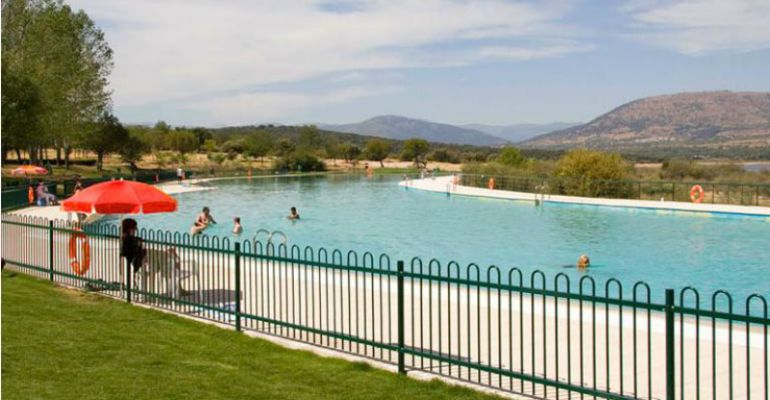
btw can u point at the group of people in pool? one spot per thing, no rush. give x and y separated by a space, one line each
205 219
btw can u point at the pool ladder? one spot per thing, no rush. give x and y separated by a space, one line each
540 196
270 236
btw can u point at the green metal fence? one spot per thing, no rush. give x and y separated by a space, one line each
505 329
713 192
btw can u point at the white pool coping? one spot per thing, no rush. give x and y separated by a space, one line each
444 184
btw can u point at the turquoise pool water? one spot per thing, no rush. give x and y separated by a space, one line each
664 249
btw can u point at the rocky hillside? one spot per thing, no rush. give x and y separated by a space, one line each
698 120
402 128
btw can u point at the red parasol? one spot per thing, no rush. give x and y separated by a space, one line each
29 170
120 197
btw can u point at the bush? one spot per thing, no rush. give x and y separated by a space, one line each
444 155
300 161
583 172
511 157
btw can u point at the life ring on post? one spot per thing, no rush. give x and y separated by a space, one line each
697 194
491 183
80 265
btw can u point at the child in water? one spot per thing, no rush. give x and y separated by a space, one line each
294 215
237 228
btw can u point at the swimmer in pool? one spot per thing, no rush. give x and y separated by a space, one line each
237 228
294 215
583 262
202 222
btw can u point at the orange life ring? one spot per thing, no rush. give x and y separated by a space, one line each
697 194
80 266
491 183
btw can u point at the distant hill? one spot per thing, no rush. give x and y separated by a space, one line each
519 132
698 123
402 128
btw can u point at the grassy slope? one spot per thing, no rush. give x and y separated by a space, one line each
62 344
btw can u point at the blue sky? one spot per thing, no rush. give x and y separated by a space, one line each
212 63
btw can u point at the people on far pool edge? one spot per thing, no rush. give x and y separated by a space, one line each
237 228
583 262
202 222
293 215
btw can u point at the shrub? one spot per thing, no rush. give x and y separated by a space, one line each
511 157
444 155
300 161
583 172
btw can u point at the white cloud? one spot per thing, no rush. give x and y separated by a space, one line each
175 50
702 26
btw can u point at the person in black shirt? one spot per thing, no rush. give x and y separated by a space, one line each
131 247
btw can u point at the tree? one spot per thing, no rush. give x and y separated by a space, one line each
284 147
309 138
258 144
583 172
377 150
349 151
21 111
203 135
182 141
511 157
132 151
415 150
66 57
210 145
109 136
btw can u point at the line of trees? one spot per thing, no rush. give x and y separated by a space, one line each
55 95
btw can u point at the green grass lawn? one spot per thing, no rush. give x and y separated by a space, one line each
65 344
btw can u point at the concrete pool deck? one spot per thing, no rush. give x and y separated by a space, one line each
444 184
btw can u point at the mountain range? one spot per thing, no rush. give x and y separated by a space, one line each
519 132
402 128
708 120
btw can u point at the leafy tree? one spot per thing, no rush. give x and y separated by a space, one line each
203 135
583 172
66 57
309 138
284 147
258 144
511 156
350 151
109 136
300 160
332 148
415 150
377 150
235 145
210 145
21 112
132 151
445 155
182 141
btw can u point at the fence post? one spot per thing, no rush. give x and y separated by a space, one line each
129 280
238 286
670 352
400 288
50 249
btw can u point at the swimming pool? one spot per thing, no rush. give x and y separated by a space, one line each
662 248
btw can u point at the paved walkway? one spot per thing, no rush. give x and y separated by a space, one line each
444 185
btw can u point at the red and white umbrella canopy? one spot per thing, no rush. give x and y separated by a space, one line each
120 197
